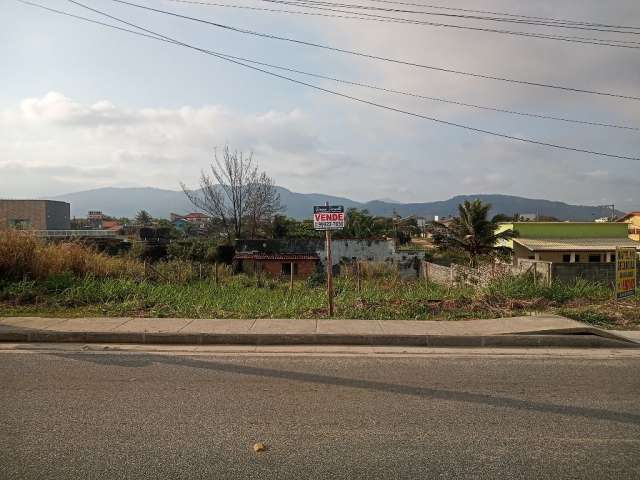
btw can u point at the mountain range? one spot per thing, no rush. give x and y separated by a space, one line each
125 202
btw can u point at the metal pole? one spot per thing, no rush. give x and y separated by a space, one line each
329 273
358 274
216 272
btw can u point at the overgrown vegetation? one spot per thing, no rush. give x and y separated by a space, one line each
67 279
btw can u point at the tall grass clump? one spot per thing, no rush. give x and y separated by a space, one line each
24 256
524 287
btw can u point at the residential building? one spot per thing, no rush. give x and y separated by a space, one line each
197 220
34 215
276 265
95 219
567 242
633 220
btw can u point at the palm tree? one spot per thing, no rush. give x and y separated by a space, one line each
471 231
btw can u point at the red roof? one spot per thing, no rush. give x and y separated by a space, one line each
274 256
110 224
196 215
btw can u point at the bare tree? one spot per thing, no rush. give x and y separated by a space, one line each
235 192
263 203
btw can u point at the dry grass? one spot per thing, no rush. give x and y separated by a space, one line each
24 256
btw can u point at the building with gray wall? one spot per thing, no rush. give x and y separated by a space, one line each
343 249
34 215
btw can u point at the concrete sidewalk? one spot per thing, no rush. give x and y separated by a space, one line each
527 331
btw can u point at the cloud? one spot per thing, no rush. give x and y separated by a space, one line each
100 143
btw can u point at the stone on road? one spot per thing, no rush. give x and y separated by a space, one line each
82 414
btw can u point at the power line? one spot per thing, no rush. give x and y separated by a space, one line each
550 19
564 38
376 57
350 97
398 20
386 19
379 88
453 15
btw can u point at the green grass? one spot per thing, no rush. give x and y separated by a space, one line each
236 297
243 297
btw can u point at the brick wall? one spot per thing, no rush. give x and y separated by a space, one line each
273 268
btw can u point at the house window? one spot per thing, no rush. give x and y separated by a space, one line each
566 258
594 258
577 258
613 257
20 223
531 257
286 268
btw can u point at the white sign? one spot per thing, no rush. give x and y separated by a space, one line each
328 217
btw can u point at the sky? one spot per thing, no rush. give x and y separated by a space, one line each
83 106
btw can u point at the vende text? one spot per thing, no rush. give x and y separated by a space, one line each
328 217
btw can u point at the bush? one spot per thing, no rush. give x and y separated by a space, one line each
318 277
192 250
225 253
23 256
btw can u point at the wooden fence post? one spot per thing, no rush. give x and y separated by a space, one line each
216 272
291 277
359 286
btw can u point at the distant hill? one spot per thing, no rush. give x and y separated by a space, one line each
125 202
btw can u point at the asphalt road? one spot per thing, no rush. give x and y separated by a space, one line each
85 415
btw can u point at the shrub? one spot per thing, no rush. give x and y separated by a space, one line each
23 256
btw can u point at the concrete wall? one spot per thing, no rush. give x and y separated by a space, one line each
58 215
596 272
33 212
377 250
38 214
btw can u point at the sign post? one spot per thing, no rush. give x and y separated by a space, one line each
625 272
329 217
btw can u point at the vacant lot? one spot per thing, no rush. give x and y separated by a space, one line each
73 280
384 298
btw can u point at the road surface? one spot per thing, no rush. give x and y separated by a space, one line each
78 414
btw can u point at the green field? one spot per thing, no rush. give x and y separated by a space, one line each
245 297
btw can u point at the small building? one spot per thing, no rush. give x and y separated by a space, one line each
276 265
567 242
35 215
633 220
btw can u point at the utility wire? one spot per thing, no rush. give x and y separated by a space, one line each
386 19
161 37
376 57
454 15
379 88
546 36
549 19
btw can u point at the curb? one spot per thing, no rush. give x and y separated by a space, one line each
510 340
